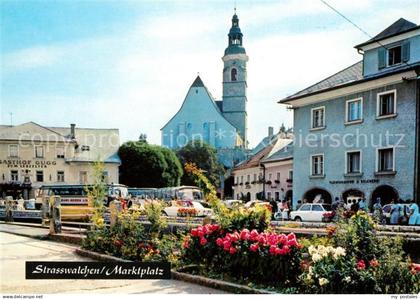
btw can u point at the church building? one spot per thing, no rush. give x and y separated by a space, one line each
223 123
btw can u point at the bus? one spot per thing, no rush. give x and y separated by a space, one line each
145 193
75 195
181 192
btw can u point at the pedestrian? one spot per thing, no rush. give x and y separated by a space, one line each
362 204
377 210
414 214
395 212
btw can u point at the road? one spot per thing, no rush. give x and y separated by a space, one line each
15 250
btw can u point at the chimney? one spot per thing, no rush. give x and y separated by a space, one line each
72 131
270 131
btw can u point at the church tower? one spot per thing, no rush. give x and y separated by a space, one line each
234 81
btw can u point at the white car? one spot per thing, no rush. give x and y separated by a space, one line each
310 212
185 208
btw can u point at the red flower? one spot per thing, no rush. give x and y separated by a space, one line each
261 239
245 234
292 243
214 227
219 242
194 232
286 249
254 234
253 247
203 241
279 251
361 265
374 263
232 250
200 233
272 249
291 236
226 245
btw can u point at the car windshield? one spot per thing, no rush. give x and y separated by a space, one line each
327 207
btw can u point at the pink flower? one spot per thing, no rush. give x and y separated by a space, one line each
203 241
254 247
232 250
219 242
186 244
361 265
286 249
279 251
200 233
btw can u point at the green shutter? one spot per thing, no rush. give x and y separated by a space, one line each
381 58
405 51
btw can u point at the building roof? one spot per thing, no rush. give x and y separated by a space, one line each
102 144
254 160
283 153
349 74
396 28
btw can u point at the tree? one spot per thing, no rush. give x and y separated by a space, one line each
145 165
204 157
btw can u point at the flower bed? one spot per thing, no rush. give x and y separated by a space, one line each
261 257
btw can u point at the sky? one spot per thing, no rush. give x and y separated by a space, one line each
129 64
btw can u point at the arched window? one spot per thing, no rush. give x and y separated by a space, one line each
233 74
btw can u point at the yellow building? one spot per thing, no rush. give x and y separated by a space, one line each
32 155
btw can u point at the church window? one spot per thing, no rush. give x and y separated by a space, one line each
233 74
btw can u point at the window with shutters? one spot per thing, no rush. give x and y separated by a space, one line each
394 55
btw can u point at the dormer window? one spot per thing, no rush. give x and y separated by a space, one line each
394 55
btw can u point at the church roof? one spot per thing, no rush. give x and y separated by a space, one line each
197 82
396 28
217 104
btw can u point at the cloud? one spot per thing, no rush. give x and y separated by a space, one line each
31 58
138 78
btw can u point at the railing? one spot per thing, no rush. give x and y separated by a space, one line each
54 215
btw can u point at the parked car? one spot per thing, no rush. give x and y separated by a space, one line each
386 211
310 212
186 208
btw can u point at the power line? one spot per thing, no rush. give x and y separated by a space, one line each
358 27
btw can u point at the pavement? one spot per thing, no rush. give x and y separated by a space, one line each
16 249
